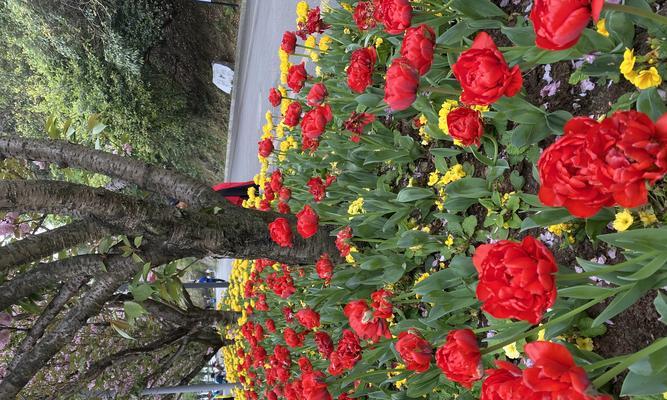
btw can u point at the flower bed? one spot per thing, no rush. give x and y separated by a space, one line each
493 173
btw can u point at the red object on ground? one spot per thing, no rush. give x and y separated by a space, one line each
236 200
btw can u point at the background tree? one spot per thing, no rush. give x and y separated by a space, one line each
130 232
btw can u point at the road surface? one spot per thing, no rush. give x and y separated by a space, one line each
257 70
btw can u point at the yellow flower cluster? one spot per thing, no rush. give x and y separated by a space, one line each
584 343
356 207
642 79
400 383
311 43
302 12
623 220
284 65
647 217
347 7
240 274
440 181
231 361
325 43
426 139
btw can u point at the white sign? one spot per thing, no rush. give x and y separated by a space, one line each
223 77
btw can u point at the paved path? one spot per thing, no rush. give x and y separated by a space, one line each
262 25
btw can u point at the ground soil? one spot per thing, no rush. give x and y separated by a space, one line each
197 35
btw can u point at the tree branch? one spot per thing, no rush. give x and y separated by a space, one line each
48 274
120 269
151 178
50 312
102 364
34 248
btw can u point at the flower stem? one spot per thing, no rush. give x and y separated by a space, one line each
628 361
639 12
554 321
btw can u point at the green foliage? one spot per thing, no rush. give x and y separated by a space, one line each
73 64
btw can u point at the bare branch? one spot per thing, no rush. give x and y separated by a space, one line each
50 312
34 248
48 274
102 364
120 269
151 178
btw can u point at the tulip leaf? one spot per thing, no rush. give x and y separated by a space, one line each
660 304
410 194
650 103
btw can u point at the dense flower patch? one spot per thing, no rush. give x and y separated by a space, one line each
490 224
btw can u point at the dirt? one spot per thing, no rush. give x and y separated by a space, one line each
631 331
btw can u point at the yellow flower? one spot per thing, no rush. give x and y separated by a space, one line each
347 7
302 11
647 78
511 351
433 178
346 31
356 207
559 229
318 71
664 395
449 241
310 42
453 174
378 42
422 277
585 343
623 220
602 27
325 43
628 63
280 130
541 334
314 56
647 218
447 106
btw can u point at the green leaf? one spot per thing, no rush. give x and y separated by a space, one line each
546 217
410 194
584 291
133 310
445 152
369 100
423 383
640 240
648 270
472 188
529 134
650 103
142 292
660 304
137 241
557 120
469 225
639 385
519 34
478 9
620 28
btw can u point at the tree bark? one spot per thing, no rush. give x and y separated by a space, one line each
235 233
120 269
52 310
34 248
151 178
48 274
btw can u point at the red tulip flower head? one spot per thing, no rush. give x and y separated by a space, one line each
460 359
484 74
559 24
516 280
